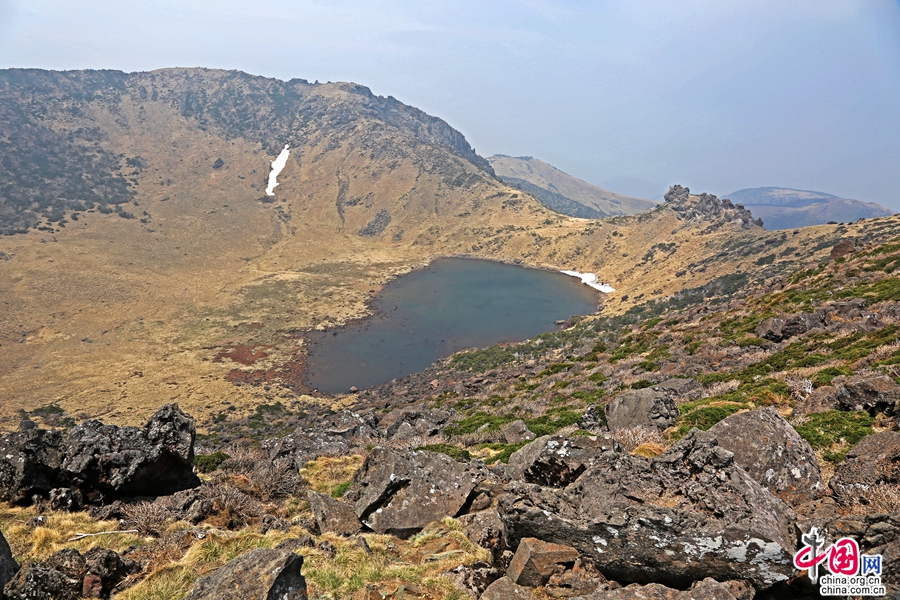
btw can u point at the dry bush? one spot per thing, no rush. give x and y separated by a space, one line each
270 481
879 498
799 387
234 508
721 387
242 458
149 518
632 437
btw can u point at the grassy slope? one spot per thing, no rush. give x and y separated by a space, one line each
112 317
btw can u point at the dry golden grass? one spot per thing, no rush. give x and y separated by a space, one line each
327 473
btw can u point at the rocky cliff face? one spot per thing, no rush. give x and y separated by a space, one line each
709 208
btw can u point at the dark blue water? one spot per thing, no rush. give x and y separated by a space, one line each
430 313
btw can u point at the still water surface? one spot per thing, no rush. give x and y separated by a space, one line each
430 313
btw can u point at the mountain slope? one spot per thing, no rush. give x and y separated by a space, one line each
563 193
177 279
786 208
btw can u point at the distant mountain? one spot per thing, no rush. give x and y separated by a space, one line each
786 208
563 193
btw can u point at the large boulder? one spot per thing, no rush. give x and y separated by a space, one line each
557 461
505 589
401 493
333 515
486 529
778 329
404 423
38 582
29 464
873 460
108 461
260 574
871 393
773 453
8 565
689 514
641 408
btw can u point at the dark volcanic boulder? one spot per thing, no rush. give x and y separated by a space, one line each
401 493
110 461
874 459
333 515
777 329
557 461
8 566
404 423
29 464
773 453
260 574
641 408
689 514
871 393
37 582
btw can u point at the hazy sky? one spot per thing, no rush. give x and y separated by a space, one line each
630 95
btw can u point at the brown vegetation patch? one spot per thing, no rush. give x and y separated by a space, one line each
243 354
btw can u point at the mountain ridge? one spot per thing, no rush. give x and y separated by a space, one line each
788 208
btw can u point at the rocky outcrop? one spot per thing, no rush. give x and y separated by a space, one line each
301 447
8 565
773 453
262 574
873 460
689 514
404 423
97 463
641 408
401 493
778 329
871 393
107 461
333 515
557 461
707 207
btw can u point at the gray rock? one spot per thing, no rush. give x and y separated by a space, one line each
557 461
641 408
108 569
333 515
486 529
516 431
773 453
535 561
871 393
473 579
65 499
260 574
113 462
505 589
303 446
680 388
874 459
8 565
403 423
778 329
594 419
707 589
401 493
678 518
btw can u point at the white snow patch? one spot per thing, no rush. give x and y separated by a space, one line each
591 280
277 166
